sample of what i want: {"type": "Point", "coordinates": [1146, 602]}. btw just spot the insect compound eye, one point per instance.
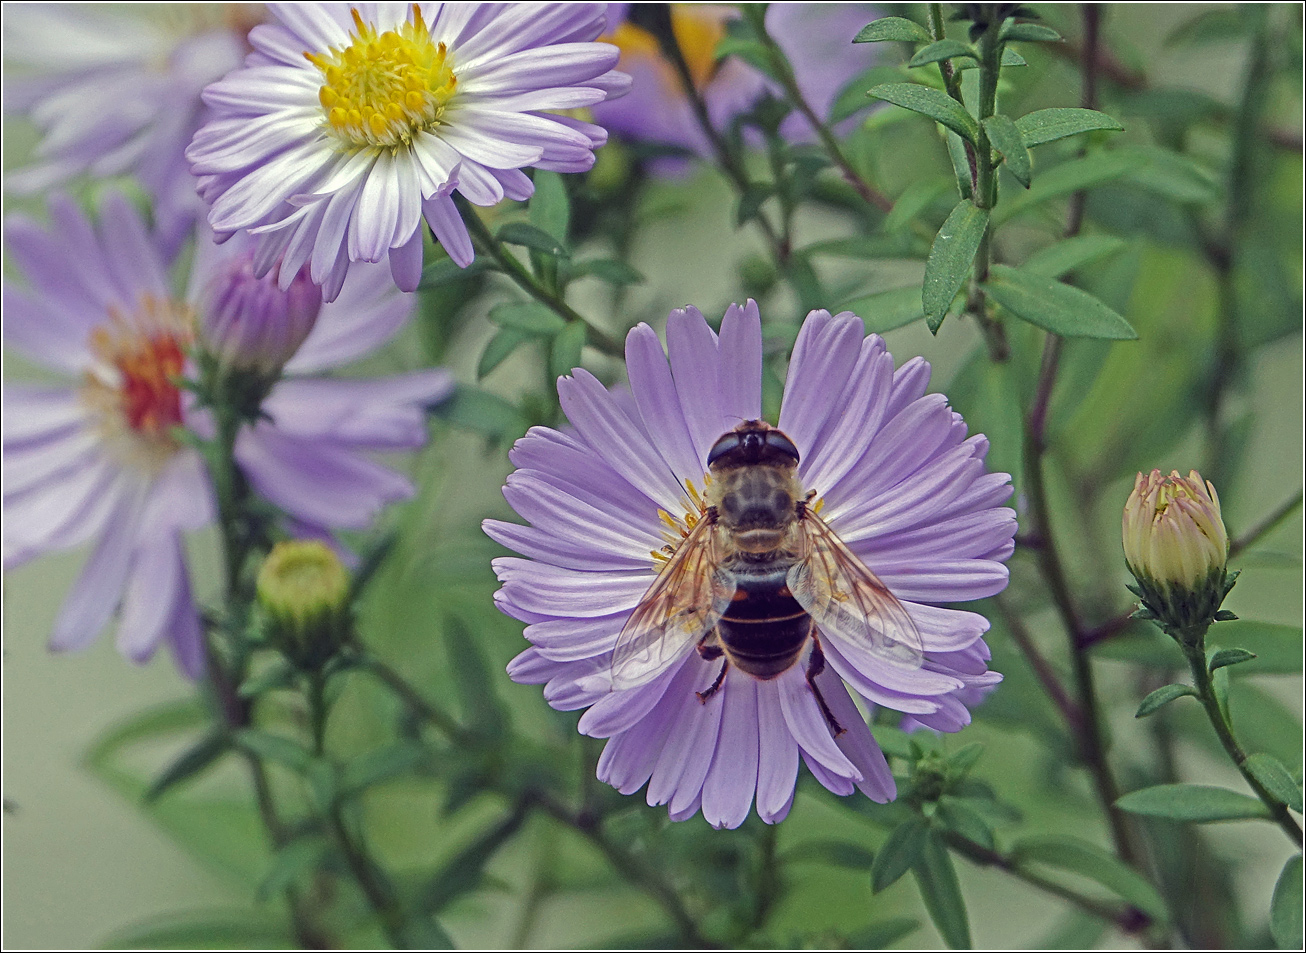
{"type": "Point", "coordinates": [778, 441]}
{"type": "Point", "coordinates": [723, 446]}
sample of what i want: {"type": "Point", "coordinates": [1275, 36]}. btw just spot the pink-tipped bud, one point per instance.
{"type": "Point", "coordinates": [249, 324]}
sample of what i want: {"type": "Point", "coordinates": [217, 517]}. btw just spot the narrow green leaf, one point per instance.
{"type": "Point", "coordinates": [900, 853]}
{"type": "Point", "coordinates": [934, 103]}
{"type": "Point", "coordinates": [482, 412]}
{"type": "Point", "coordinates": [965, 758]}
{"type": "Point", "coordinates": [275, 748]}
{"type": "Point", "coordinates": [914, 199]}
{"type": "Point", "coordinates": [1069, 254]}
{"type": "Point", "coordinates": [960, 817]}
{"type": "Point", "coordinates": [1196, 803]}
{"type": "Point", "coordinates": [887, 310]}
{"type": "Point", "coordinates": [960, 163]}
{"type": "Point", "coordinates": [950, 259]}
{"type": "Point", "coordinates": [892, 28]}
{"type": "Point", "coordinates": [941, 891]}
{"type": "Point", "coordinates": [1230, 657]}
{"type": "Point", "coordinates": [1275, 778]}
{"type": "Point", "coordinates": [1212, 26]}
{"type": "Point", "coordinates": [446, 270]}
{"type": "Point", "coordinates": [1009, 58]}
{"type": "Point", "coordinates": [165, 719]}
{"type": "Point", "coordinates": [234, 929]}
{"type": "Point", "coordinates": [424, 933]}
{"type": "Point", "coordinates": [564, 353]}
{"type": "Point", "coordinates": [500, 348]}
{"type": "Point", "coordinates": [1089, 860]}
{"type": "Point", "coordinates": [1028, 33]}
{"type": "Point", "coordinates": [1007, 140]}
{"type": "Point", "coordinates": [1056, 307]}
{"type": "Point", "coordinates": [831, 852]}
{"type": "Point", "coordinates": [1088, 172]}
{"type": "Point", "coordinates": [550, 208]}
{"type": "Point", "coordinates": [611, 270]}
{"type": "Point", "coordinates": [750, 202]}
{"type": "Point", "coordinates": [190, 763]}
{"type": "Point", "coordinates": [1077, 930]}
{"type": "Point", "coordinates": [279, 674]}
{"type": "Point", "coordinates": [478, 696]}
{"type": "Point", "coordinates": [380, 765]}
{"type": "Point", "coordinates": [1162, 696]}
{"type": "Point", "coordinates": [291, 863]}
{"type": "Point", "coordinates": [529, 236]}
{"type": "Point", "coordinates": [941, 50]}
{"type": "Point", "coordinates": [528, 316]}
{"type": "Point", "coordinates": [1286, 906]}
{"type": "Point", "coordinates": [1049, 125]}
{"type": "Point", "coordinates": [879, 935]}
{"type": "Point", "coordinates": [1173, 175]}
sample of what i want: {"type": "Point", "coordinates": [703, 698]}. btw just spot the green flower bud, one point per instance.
{"type": "Point", "coordinates": [303, 591]}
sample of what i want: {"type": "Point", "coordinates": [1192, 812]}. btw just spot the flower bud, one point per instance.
{"type": "Point", "coordinates": [1177, 547]}
{"type": "Point", "coordinates": [303, 591]}
{"type": "Point", "coordinates": [250, 324]}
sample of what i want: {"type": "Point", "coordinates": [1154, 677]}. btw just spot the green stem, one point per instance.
{"type": "Point", "coordinates": [1255, 534]}
{"type": "Point", "coordinates": [414, 699]}
{"type": "Point", "coordinates": [1193, 644]}
{"type": "Point", "coordinates": [523, 278]}
{"type": "Point", "coordinates": [986, 190]}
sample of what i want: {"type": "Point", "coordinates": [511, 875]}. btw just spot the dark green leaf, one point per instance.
{"type": "Point", "coordinates": [235, 929]}
{"type": "Point", "coordinates": [852, 97]}
{"type": "Point", "coordinates": [190, 763]}
{"type": "Point", "coordinates": [1089, 860]}
{"type": "Point", "coordinates": [950, 259]}
{"type": "Point", "coordinates": [960, 164]}
{"type": "Point", "coordinates": [1056, 307]}
{"type": "Point", "coordinates": [940, 890]}
{"type": "Point", "coordinates": [892, 28]}
{"type": "Point", "coordinates": [482, 412]}
{"type": "Point", "coordinates": [279, 674]}
{"type": "Point", "coordinates": [1028, 33]}
{"type": "Point", "coordinates": [1092, 170]}
{"type": "Point", "coordinates": [1173, 175]}
{"type": "Point", "coordinates": [465, 870]}
{"type": "Point", "coordinates": [941, 50]}
{"type": "Point", "coordinates": [958, 816]}
{"type": "Point", "coordinates": [1211, 26]}
{"type": "Point", "coordinates": [1275, 778]}
{"type": "Point", "coordinates": [1162, 696]}
{"type": "Point", "coordinates": [1077, 931]}
{"type": "Point", "coordinates": [1007, 140]}
{"type": "Point", "coordinates": [275, 748]}
{"type": "Point", "coordinates": [1069, 254]}
{"type": "Point", "coordinates": [831, 852]}
{"type": "Point", "coordinates": [550, 209]}
{"type": "Point", "coordinates": [938, 105]}
{"type": "Point", "coordinates": [380, 765]}
{"type": "Point", "coordinates": [291, 863]}
{"type": "Point", "coordinates": [564, 353]}
{"type": "Point", "coordinates": [915, 199]}
{"type": "Point", "coordinates": [1277, 647]}
{"type": "Point", "coordinates": [521, 233]}
{"type": "Point", "coordinates": [1230, 657]}
{"type": "Point", "coordinates": [965, 758]}
{"type": "Point", "coordinates": [611, 270]}
{"type": "Point", "coordinates": [1286, 907]}
{"type": "Point", "coordinates": [879, 935]}
{"type": "Point", "coordinates": [750, 202]}
{"type": "Point", "coordinates": [479, 699]}
{"type": "Point", "coordinates": [424, 933]}
{"type": "Point", "coordinates": [1049, 125]}
{"type": "Point", "coordinates": [528, 316]}
{"type": "Point", "coordinates": [887, 310]}
{"type": "Point", "coordinates": [1009, 58]}
{"type": "Point", "coordinates": [1197, 803]}
{"type": "Point", "coordinates": [500, 347]}
{"type": "Point", "coordinates": [900, 852]}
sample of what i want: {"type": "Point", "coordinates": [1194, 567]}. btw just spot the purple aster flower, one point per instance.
{"type": "Point", "coordinates": [889, 469]}
{"type": "Point", "coordinates": [816, 37]}
{"type": "Point", "coordinates": [349, 124]}
{"type": "Point", "coordinates": [100, 458]}
{"type": "Point", "coordinates": [117, 92]}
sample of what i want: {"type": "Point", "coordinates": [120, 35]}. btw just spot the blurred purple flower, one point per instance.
{"type": "Point", "coordinates": [816, 37]}
{"type": "Point", "coordinates": [117, 92]}
{"type": "Point", "coordinates": [349, 124]}
{"type": "Point", "coordinates": [900, 483]}
{"type": "Point", "coordinates": [101, 458]}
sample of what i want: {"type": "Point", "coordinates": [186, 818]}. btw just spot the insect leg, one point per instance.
{"type": "Point", "coordinates": [815, 666]}
{"type": "Point", "coordinates": [709, 647]}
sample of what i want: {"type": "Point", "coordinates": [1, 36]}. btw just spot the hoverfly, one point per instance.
{"type": "Point", "coordinates": [758, 578]}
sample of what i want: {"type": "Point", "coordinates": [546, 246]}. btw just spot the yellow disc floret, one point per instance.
{"type": "Point", "coordinates": [383, 89]}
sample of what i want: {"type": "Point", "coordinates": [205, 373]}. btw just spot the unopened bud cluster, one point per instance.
{"type": "Point", "coordinates": [1176, 546]}
{"type": "Point", "coordinates": [303, 591]}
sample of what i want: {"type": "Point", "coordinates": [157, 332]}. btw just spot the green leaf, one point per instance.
{"type": "Point", "coordinates": [528, 316]}
{"type": "Point", "coordinates": [960, 163]}
{"type": "Point", "coordinates": [915, 199]}
{"type": "Point", "coordinates": [1162, 696]}
{"type": "Point", "coordinates": [1089, 860]}
{"type": "Point", "coordinates": [892, 28]}
{"type": "Point", "coordinates": [941, 891]}
{"type": "Point", "coordinates": [275, 748]}
{"type": "Point", "coordinates": [232, 929]}
{"type": "Point", "coordinates": [1049, 125]}
{"type": "Point", "coordinates": [1056, 307]}
{"type": "Point", "coordinates": [950, 259]}
{"type": "Point", "coordinates": [611, 270]}
{"type": "Point", "coordinates": [479, 699]}
{"type": "Point", "coordinates": [879, 935]}
{"type": "Point", "coordinates": [965, 758]}
{"type": "Point", "coordinates": [1172, 175]}
{"type": "Point", "coordinates": [165, 719]}
{"type": "Point", "coordinates": [1196, 803]}
{"type": "Point", "coordinates": [291, 863]}
{"type": "Point", "coordinates": [500, 348]}
{"type": "Point", "coordinates": [1092, 170]}
{"type": "Point", "coordinates": [1286, 906]}
{"type": "Point", "coordinates": [831, 852]}
{"type": "Point", "coordinates": [1077, 930]}
{"type": "Point", "coordinates": [446, 270]}
{"type": "Point", "coordinates": [190, 763]}
{"type": "Point", "coordinates": [750, 202]}
{"type": "Point", "coordinates": [1007, 140]}
{"type": "Point", "coordinates": [564, 354]}
{"type": "Point", "coordinates": [957, 815]}
{"type": "Point", "coordinates": [887, 310]}
{"type": "Point", "coordinates": [1275, 778]}
{"type": "Point", "coordinates": [1028, 33]}
{"type": "Point", "coordinates": [279, 674]}
{"type": "Point", "coordinates": [1230, 657]}
{"type": "Point", "coordinates": [550, 208]}
{"type": "Point", "coordinates": [380, 765]}
{"type": "Point", "coordinates": [482, 412]}
{"type": "Point", "coordinates": [522, 233]}
{"type": "Point", "coordinates": [1009, 58]}
{"type": "Point", "coordinates": [1069, 254]}
{"type": "Point", "coordinates": [938, 105]}
{"type": "Point", "coordinates": [900, 852]}
{"type": "Point", "coordinates": [1212, 26]}
{"type": "Point", "coordinates": [941, 50]}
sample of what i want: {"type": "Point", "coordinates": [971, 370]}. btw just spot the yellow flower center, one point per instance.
{"type": "Point", "coordinates": [383, 89]}
{"type": "Point", "coordinates": [133, 384]}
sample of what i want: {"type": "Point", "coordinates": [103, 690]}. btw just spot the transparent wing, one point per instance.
{"type": "Point", "coordinates": [848, 601]}
{"type": "Point", "coordinates": [686, 599]}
